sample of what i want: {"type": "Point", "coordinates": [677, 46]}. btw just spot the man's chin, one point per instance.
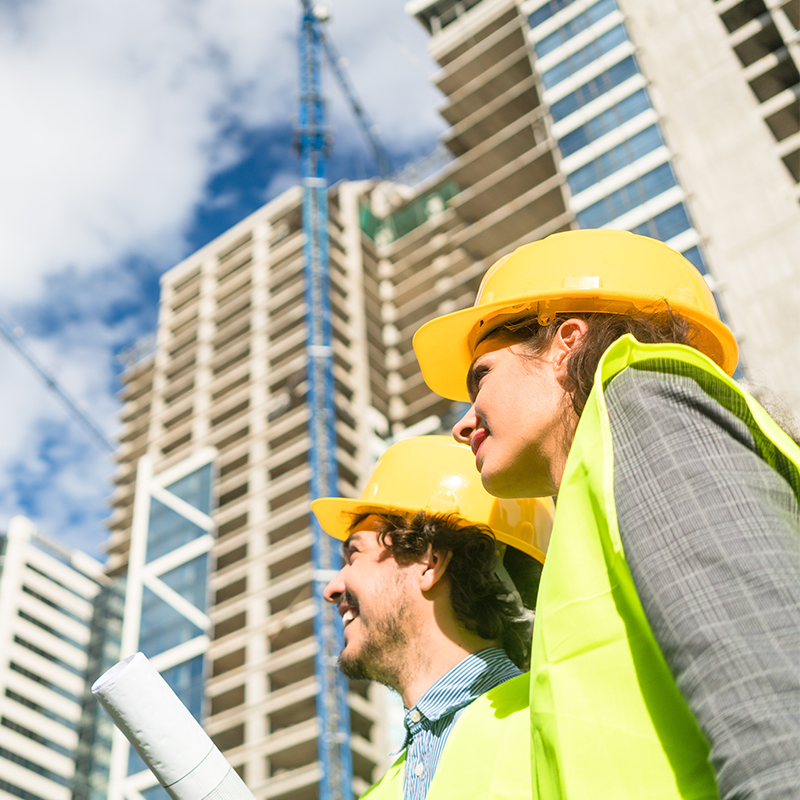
{"type": "Point", "coordinates": [353, 666]}
{"type": "Point", "coordinates": [366, 665]}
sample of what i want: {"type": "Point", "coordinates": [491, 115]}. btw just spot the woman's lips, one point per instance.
{"type": "Point", "coordinates": [478, 438]}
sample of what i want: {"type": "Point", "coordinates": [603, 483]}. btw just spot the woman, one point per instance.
{"type": "Point", "coordinates": [666, 652]}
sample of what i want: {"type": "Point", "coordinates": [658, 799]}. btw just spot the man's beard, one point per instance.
{"type": "Point", "coordinates": [381, 654]}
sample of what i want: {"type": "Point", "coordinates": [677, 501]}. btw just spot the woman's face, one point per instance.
{"type": "Point", "coordinates": [520, 422]}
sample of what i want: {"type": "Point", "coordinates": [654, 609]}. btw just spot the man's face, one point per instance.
{"type": "Point", "coordinates": [371, 592]}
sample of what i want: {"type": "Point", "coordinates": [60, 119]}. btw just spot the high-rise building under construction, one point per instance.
{"type": "Point", "coordinates": [677, 119]}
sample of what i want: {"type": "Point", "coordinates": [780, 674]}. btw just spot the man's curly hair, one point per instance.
{"type": "Point", "coordinates": [480, 600]}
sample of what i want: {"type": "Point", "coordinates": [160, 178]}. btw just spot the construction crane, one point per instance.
{"type": "Point", "coordinates": [332, 707]}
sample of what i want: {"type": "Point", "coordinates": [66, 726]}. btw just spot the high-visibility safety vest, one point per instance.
{"type": "Point", "coordinates": [608, 720]}
{"type": "Point", "coordinates": [486, 756]}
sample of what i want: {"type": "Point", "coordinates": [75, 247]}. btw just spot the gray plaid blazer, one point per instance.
{"type": "Point", "coordinates": [710, 522]}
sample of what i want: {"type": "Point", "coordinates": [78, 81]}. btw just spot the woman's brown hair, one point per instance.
{"type": "Point", "coordinates": [602, 331]}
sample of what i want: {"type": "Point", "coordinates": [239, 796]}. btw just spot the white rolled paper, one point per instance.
{"type": "Point", "coordinates": [163, 732]}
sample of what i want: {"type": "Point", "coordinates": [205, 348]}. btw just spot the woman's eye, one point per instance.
{"type": "Point", "coordinates": [476, 374]}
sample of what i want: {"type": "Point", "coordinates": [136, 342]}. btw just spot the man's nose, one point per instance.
{"type": "Point", "coordinates": [335, 589]}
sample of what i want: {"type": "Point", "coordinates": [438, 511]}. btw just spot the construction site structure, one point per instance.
{"type": "Point", "coordinates": [562, 114]}
{"type": "Point", "coordinates": [228, 385]}
{"type": "Point", "coordinates": [678, 119]}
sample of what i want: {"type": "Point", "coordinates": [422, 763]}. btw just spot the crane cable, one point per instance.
{"type": "Point", "coordinates": [336, 63]}
{"type": "Point", "coordinates": [88, 425]}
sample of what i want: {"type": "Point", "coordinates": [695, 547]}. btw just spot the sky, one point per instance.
{"type": "Point", "coordinates": [133, 133]}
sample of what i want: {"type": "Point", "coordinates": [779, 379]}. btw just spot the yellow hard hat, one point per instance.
{"type": "Point", "coordinates": [437, 474]}
{"type": "Point", "coordinates": [608, 271]}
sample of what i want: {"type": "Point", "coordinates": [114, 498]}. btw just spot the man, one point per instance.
{"type": "Point", "coordinates": [432, 612]}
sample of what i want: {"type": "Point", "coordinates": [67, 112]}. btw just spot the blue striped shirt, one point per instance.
{"type": "Point", "coordinates": [431, 720]}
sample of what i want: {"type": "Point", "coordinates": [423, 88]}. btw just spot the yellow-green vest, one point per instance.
{"type": "Point", "coordinates": [487, 755]}
{"type": "Point", "coordinates": [607, 718]}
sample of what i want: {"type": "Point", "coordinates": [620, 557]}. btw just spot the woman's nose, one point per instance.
{"type": "Point", "coordinates": [464, 428]}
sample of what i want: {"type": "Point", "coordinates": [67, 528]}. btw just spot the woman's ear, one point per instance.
{"type": "Point", "coordinates": [434, 565]}
{"type": "Point", "coordinates": [567, 340]}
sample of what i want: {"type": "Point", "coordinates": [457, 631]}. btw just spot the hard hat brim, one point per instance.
{"type": "Point", "coordinates": [334, 515]}
{"type": "Point", "coordinates": [444, 346]}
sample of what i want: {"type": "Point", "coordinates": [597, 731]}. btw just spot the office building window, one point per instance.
{"type": "Point", "coordinates": [49, 628]}
{"type": "Point", "coordinates": [694, 255]}
{"type": "Point", "coordinates": [169, 529]}
{"type": "Point", "coordinates": [57, 606]}
{"type": "Point", "coordinates": [575, 26]}
{"type": "Point", "coordinates": [32, 766]}
{"type": "Point", "coordinates": [667, 224]}
{"type": "Point", "coordinates": [636, 193]}
{"type": "Point", "coordinates": [51, 685]}
{"type": "Point", "coordinates": [543, 13]}
{"type": "Point", "coordinates": [155, 793]}
{"type": "Point", "coordinates": [606, 121]}
{"type": "Point", "coordinates": [603, 44]}
{"type": "Point", "coordinates": [620, 156]}
{"type": "Point", "coordinates": [36, 737]}
{"type": "Point", "coordinates": [163, 626]}
{"type": "Point", "coordinates": [12, 789]}
{"type": "Point", "coordinates": [594, 88]}
{"type": "Point", "coordinates": [174, 592]}
{"type": "Point", "coordinates": [46, 712]}
{"type": "Point", "coordinates": [195, 489]}
{"type": "Point", "coordinates": [51, 579]}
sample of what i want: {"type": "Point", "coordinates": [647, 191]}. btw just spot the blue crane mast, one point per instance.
{"type": "Point", "coordinates": [332, 707]}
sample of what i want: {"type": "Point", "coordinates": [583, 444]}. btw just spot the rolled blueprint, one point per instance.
{"type": "Point", "coordinates": [163, 732]}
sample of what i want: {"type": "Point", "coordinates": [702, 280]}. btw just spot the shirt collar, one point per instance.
{"type": "Point", "coordinates": [467, 680]}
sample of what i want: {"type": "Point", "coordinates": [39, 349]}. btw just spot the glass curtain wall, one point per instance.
{"type": "Point", "coordinates": [166, 598]}
{"type": "Point", "coordinates": [613, 152]}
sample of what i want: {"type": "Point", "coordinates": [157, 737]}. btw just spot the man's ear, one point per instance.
{"type": "Point", "coordinates": [434, 565]}
{"type": "Point", "coordinates": [566, 341]}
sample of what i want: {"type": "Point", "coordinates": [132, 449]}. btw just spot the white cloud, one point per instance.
{"type": "Point", "coordinates": [115, 116]}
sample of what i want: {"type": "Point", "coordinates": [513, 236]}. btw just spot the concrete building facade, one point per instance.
{"type": "Point", "coordinates": [57, 635]}
{"type": "Point", "coordinates": [678, 119]}
{"type": "Point", "coordinates": [658, 117]}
